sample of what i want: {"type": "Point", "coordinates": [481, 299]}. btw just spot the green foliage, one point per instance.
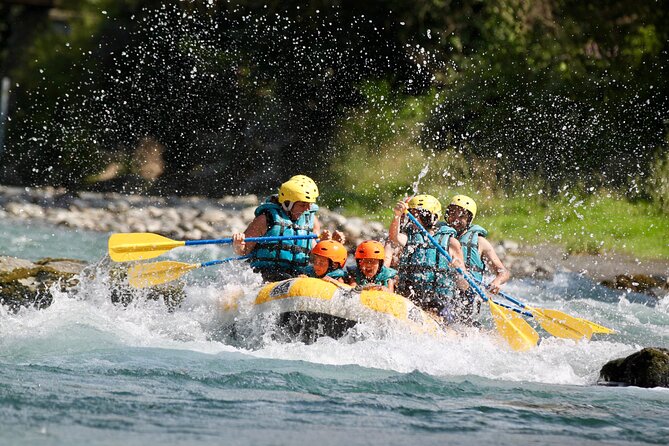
{"type": "Point", "coordinates": [657, 186]}
{"type": "Point", "coordinates": [500, 98]}
{"type": "Point", "coordinates": [595, 223]}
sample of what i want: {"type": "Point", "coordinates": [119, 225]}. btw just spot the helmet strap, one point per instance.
{"type": "Point", "coordinates": [435, 219]}
{"type": "Point", "coordinates": [288, 205]}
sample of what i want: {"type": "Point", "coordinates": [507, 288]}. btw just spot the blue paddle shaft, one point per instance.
{"type": "Point", "coordinates": [448, 257]}
{"type": "Point", "coordinates": [218, 262]}
{"type": "Point", "coordinates": [228, 240]}
{"type": "Point", "coordinates": [466, 276]}
{"type": "Point", "coordinates": [509, 298]}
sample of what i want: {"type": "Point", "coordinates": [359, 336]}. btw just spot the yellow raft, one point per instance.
{"type": "Point", "coordinates": [309, 308]}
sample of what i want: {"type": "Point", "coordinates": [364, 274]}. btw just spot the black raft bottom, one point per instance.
{"type": "Point", "coordinates": [306, 326]}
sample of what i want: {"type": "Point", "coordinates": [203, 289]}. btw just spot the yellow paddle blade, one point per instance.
{"type": "Point", "coordinates": [517, 332]}
{"type": "Point", "coordinates": [560, 324]}
{"type": "Point", "coordinates": [596, 328]}
{"type": "Point", "coordinates": [139, 246]}
{"type": "Point", "coordinates": [151, 274]}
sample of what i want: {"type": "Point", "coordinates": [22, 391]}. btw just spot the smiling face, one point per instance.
{"type": "Point", "coordinates": [426, 218]}
{"type": "Point", "coordinates": [369, 267]}
{"type": "Point", "coordinates": [458, 218]}
{"type": "Point", "coordinates": [321, 265]}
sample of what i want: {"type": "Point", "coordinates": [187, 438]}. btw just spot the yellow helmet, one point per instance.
{"type": "Point", "coordinates": [298, 188]}
{"type": "Point", "coordinates": [303, 178]}
{"type": "Point", "coordinates": [465, 203]}
{"type": "Point", "coordinates": [427, 202]}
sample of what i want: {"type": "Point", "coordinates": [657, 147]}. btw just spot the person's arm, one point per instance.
{"type": "Point", "coordinates": [394, 235]}
{"type": "Point", "coordinates": [495, 265]}
{"type": "Point", "coordinates": [457, 261]}
{"type": "Point", "coordinates": [257, 228]}
{"type": "Point", "coordinates": [391, 285]}
{"type": "Point", "coordinates": [389, 261]}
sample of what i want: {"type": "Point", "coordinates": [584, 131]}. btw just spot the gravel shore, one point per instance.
{"type": "Point", "coordinates": [202, 218]}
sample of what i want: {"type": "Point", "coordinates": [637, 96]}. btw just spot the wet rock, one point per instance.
{"type": "Point", "coordinates": [213, 216]}
{"type": "Point", "coordinates": [27, 284]}
{"type": "Point", "coordinates": [528, 267]}
{"type": "Point", "coordinates": [646, 368]}
{"type": "Point", "coordinates": [510, 245]}
{"type": "Point", "coordinates": [172, 294]}
{"type": "Point", "coordinates": [639, 283]}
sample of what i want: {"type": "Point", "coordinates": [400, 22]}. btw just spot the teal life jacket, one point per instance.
{"type": "Point", "coordinates": [424, 274]}
{"type": "Point", "coordinates": [382, 276]}
{"type": "Point", "coordinates": [339, 273]}
{"type": "Point", "coordinates": [286, 255]}
{"type": "Point", "coordinates": [470, 250]}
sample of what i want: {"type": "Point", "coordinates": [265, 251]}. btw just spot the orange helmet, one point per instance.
{"type": "Point", "coordinates": [332, 250]}
{"type": "Point", "coordinates": [370, 249]}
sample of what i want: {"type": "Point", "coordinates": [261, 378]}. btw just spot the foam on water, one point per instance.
{"type": "Point", "coordinates": [90, 321]}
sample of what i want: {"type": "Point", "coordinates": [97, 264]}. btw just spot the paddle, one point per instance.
{"type": "Point", "coordinates": [561, 324]}
{"type": "Point", "coordinates": [514, 329]}
{"type": "Point", "coordinates": [157, 273]}
{"type": "Point", "coordinates": [596, 328]}
{"type": "Point", "coordinates": [145, 245]}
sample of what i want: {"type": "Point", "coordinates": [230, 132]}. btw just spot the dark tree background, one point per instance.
{"type": "Point", "coordinates": [242, 94]}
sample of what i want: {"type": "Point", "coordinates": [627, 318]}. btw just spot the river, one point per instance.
{"type": "Point", "coordinates": [85, 371]}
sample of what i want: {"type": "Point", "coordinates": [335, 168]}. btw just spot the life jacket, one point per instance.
{"type": "Point", "coordinates": [382, 276]}
{"type": "Point", "coordinates": [286, 255]}
{"type": "Point", "coordinates": [470, 250]}
{"type": "Point", "coordinates": [424, 274]}
{"type": "Point", "coordinates": [339, 273]}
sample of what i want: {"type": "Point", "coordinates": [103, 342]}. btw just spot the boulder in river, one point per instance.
{"type": "Point", "coordinates": [646, 368]}
{"type": "Point", "coordinates": [28, 284]}
{"type": "Point", "coordinates": [654, 285]}
{"type": "Point", "coordinates": [24, 283]}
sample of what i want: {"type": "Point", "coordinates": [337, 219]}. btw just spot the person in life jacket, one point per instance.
{"type": "Point", "coordinates": [370, 271]}
{"type": "Point", "coordinates": [479, 254]}
{"type": "Point", "coordinates": [328, 258]}
{"type": "Point", "coordinates": [291, 212]}
{"type": "Point", "coordinates": [424, 274]}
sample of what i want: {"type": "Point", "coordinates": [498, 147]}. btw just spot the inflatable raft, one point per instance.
{"type": "Point", "coordinates": [307, 308]}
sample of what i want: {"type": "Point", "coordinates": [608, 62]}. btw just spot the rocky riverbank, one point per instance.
{"type": "Point", "coordinates": [200, 217]}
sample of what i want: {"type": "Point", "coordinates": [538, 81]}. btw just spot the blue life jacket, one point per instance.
{"type": "Point", "coordinates": [382, 276]}
{"type": "Point", "coordinates": [287, 255]}
{"type": "Point", "coordinates": [339, 273]}
{"type": "Point", "coordinates": [470, 250]}
{"type": "Point", "coordinates": [424, 274]}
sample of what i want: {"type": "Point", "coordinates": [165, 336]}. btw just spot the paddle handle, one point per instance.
{"type": "Point", "coordinates": [218, 262]}
{"type": "Point", "coordinates": [443, 252]}
{"type": "Point", "coordinates": [228, 240]}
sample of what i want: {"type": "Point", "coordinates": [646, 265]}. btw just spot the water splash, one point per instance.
{"type": "Point", "coordinates": [203, 324]}
{"type": "Point", "coordinates": [423, 172]}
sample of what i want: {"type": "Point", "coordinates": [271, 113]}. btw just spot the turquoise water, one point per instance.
{"type": "Point", "coordinates": [85, 371]}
